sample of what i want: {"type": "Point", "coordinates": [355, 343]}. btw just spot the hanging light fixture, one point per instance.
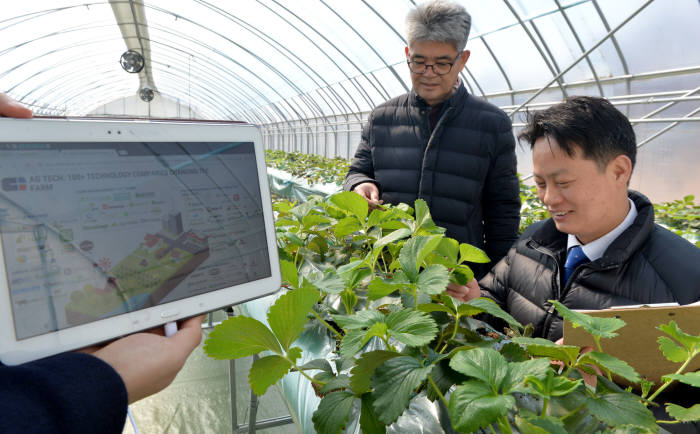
{"type": "Point", "coordinates": [132, 61]}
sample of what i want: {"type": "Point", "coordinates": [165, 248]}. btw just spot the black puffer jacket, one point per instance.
{"type": "Point", "coordinates": [645, 264]}
{"type": "Point", "coordinates": [465, 169]}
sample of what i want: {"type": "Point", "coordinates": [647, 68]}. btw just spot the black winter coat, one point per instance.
{"type": "Point", "coordinates": [465, 169]}
{"type": "Point", "coordinates": [645, 264]}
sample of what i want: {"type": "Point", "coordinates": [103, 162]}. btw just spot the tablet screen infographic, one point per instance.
{"type": "Point", "coordinates": [90, 231]}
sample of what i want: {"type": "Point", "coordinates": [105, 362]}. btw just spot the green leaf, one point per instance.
{"type": "Point", "coordinates": [671, 350]}
{"type": "Point", "coordinates": [545, 348]}
{"type": "Point", "coordinates": [691, 414]}
{"type": "Point", "coordinates": [468, 310]}
{"type": "Point", "coordinates": [391, 238]}
{"type": "Point", "coordinates": [692, 378]}
{"type": "Point", "coordinates": [266, 371]}
{"type": "Point", "coordinates": [342, 381]}
{"type": "Point", "coordinates": [378, 330]}
{"type": "Point", "coordinates": [519, 370]}
{"type": "Point", "coordinates": [290, 274]}
{"type": "Point", "coordinates": [354, 277]}
{"type": "Point", "coordinates": [352, 342]}
{"type": "Point", "coordinates": [240, 336]}
{"type": "Point", "coordinates": [414, 252]}
{"type": "Point", "coordinates": [321, 364]}
{"type": "Point", "coordinates": [611, 364]}
{"type": "Point", "coordinates": [469, 253]}
{"type": "Point", "coordinates": [330, 283]}
{"type": "Point", "coordinates": [449, 248]}
{"type": "Point", "coordinates": [288, 315]}
{"type": "Point", "coordinates": [486, 364]}
{"type": "Point", "coordinates": [301, 210]}
{"type": "Point", "coordinates": [311, 220]}
{"type": "Point", "coordinates": [603, 327]}
{"type": "Point", "coordinates": [473, 405]}
{"type": "Point", "coordinates": [423, 218]}
{"type": "Point", "coordinates": [363, 318]}
{"type": "Point", "coordinates": [369, 422]}
{"type": "Point", "coordinates": [690, 342]}
{"type": "Point", "coordinates": [394, 382]}
{"type": "Point", "coordinates": [411, 327]}
{"type": "Point", "coordinates": [352, 203]}
{"type": "Point", "coordinates": [434, 307]}
{"type": "Point", "coordinates": [540, 425]}
{"type": "Point", "coordinates": [333, 411]}
{"type": "Point", "coordinates": [489, 306]}
{"type": "Point", "coordinates": [620, 409]}
{"type": "Point", "coordinates": [433, 279]}
{"type": "Point", "coordinates": [364, 369]}
{"type": "Point", "coordinates": [379, 288]}
{"type": "Point", "coordinates": [376, 217]}
{"type": "Point", "coordinates": [280, 223]}
{"type": "Point", "coordinates": [346, 226]}
{"type": "Point", "coordinates": [349, 299]}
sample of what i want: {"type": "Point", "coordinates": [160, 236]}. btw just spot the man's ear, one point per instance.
{"type": "Point", "coordinates": [464, 57]}
{"type": "Point", "coordinates": [620, 168]}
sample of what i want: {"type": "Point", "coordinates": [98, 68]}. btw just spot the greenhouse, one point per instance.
{"type": "Point", "coordinates": [424, 244]}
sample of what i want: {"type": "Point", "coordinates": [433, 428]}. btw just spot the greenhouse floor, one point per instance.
{"type": "Point", "coordinates": [199, 400]}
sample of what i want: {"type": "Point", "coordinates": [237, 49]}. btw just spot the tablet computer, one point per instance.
{"type": "Point", "coordinates": [113, 227]}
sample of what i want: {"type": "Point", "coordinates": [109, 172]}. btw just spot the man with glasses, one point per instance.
{"type": "Point", "coordinates": [440, 143]}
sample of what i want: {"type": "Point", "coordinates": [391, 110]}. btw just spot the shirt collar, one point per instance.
{"type": "Point", "coordinates": [595, 249]}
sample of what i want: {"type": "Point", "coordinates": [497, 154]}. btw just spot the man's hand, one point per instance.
{"type": "Point", "coordinates": [370, 192]}
{"type": "Point", "coordinates": [464, 293]}
{"type": "Point", "coordinates": [148, 362]}
{"type": "Point", "coordinates": [13, 109]}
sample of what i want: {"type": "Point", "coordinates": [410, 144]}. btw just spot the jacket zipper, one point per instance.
{"type": "Point", "coordinates": [555, 284]}
{"type": "Point", "coordinates": [433, 134]}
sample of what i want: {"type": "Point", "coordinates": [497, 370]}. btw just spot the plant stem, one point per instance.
{"type": "Point", "coordinates": [301, 371]}
{"type": "Point", "coordinates": [442, 397]}
{"type": "Point", "coordinates": [666, 384]}
{"type": "Point", "coordinates": [545, 403]}
{"type": "Point", "coordinates": [328, 326]}
{"type": "Point", "coordinates": [505, 425]}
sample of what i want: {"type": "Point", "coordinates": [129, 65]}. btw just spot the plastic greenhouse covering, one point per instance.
{"type": "Point", "coordinates": [308, 72]}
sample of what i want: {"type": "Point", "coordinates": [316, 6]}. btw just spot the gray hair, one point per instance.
{"type": "Point", "coordinates": [439, 21]}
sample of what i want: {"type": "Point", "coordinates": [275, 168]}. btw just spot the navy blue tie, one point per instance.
{"type": "Point", "coordinates": [574, 258]}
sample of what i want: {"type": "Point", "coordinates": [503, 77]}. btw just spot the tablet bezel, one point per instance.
{"type": "Point", "coordinates": [56, 130]}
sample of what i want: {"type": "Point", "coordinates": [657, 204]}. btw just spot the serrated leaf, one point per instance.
{"type": "Point", "coordinates": [311, 220]}
{"type": "Point", "coordinates": [411, 327]}
{"type": "Point", "coordinates": [350, 266]}
{"type": "Point", "coordinates": [611, 364]}
{"type": "Point", "coordinates": [352, 342]}
{"type": "Point", "coordinates": [379, 288]}
{"type": "Point", "coordinates": [690, 342]}
{"type": "Point", "coordinates": [238, 337]}
{"type": "Point", "coordinates": [349, 299]}
{"type": "Point", "coordinates": [423, 218]}
{"type": "Point", "coordinates": [376, 217]}
{"type": "Point", "coordinates": [361, 319]}
{"type": "Point", "coordinates": [449, 248]}
{"type": "Point", "coordinates": [620, 409]}
{"type": "Point", "coordinates": [545, 348]}
{"type": "Point", "coordinates": [434, 307]}
{"type": "Point", "coordinates": [369, 422]}
{"type": "Point", "coordinates": [346, 226]}
{"type": "Point", "coordinates": [603, 327]}
{"type": "Point", "coordinates": [414, 252]}
{"type": "Point", "coordinates": [489, 306]}
{"type": "Point", "coordinates": [468, 310]}
{"type": "Point", "coordinates": [266, 371]}
{"type": "Point", "coordinates": [330, 282]}
{"type": "Point", "coordinates": [691, 414]}
{"type": "Point", "coordinates": [378, 329]}
{"type": "Point", "coordinates": [692, 378]}
{"type": "Point", "coordinates": [333, 411]}
{"type": "Point", "coordinates": [280, 223]}
{"type": "Point", "coordinates": [473, 405]}
{"type": "Point", "coordinates": [394, 236]}
{"type": "Point", "coordinates": [352, 203]}
{"type": "Point", "coordinates": [540, 425]}
{"type": "Point", "coordinates": [290, 274]}
{"type": "Point", "coordinates": [519, 370]}
{"type": "Point", "coordinates": [433, 279]}
{"type": "Point", "coordinates": [469, 253]}
{"type": "Point", "coordinates": [671, 350]}
{"type": "Point", "coordinates": [486, 364]}
{"type": "Point", "coordinates": [302, 209]}
{"type": "Point", "coordinates": [354, 277]}
{"type": "Point", "coordinates": [342, 381]}
{"type": "Point", "coordinates": [321, 364]}
{"type": "Point", "coordinates": [394, 382]}
{"type": "Point", "coordinates": [288, 316]}
{"type": "Point", "coordinates": [364, 369]}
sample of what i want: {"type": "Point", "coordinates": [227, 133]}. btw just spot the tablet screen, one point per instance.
{"type": "Point", "coordinates": [91, 231]}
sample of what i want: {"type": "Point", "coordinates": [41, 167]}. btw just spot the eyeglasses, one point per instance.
{"type": "Point", "coordinates": [439, 68]}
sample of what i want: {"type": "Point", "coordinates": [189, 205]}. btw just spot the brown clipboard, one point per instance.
{"type": "Point", "coordinates": [637, 343]}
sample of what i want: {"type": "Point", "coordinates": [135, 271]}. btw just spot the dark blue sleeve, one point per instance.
{"type": "Point", "coordinates": [67, 393]}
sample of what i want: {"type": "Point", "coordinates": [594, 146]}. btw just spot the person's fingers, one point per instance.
{"type": "Point", "coordinates": [13, 109]}
{"type": "Point", "coordinates": [189, 335]}
{"type": "Point", "coordinates": [374, 195]}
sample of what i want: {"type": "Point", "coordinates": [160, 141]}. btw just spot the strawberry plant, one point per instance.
{"type": "Point", "coordinates": [376, 282]}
